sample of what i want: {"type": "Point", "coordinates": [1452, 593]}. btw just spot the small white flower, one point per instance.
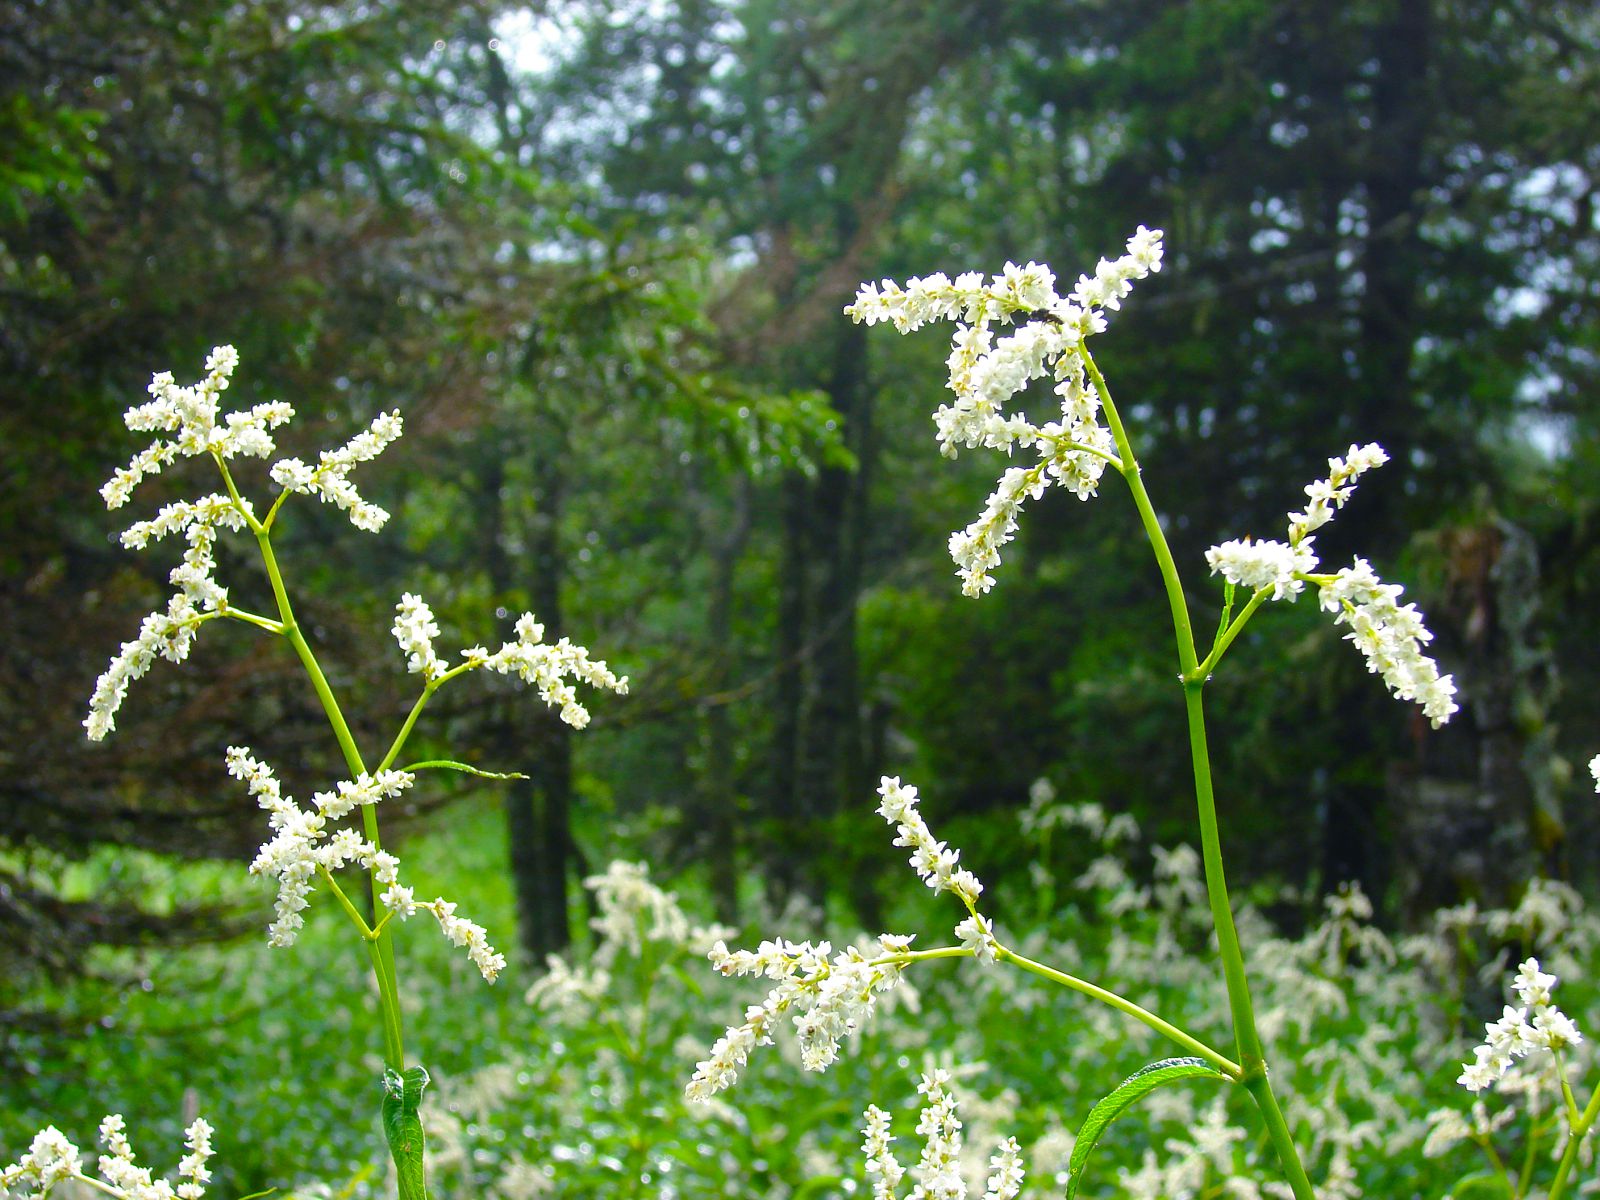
{"type": "Point", "coordinates": [302, 845]}
{"type": "Point", "coordinates": [881, 1162]}
{"type": "Point", "coordinates": [191, 414]}
{"type": "Point", "coordinates": [470, 934]}
{"type": "Point", "coordinates": [548, 667]}
{"type": "Point", "coordinates": [1328, 495]}
{"type": "Point", "coordinates": [414, 629]}
{"type": "Point", "coordinates": [168, 635]}
{"type": "Point", "coordinates": [977, 935]}
{"type": "Point", "coordinates": [52, 1159]}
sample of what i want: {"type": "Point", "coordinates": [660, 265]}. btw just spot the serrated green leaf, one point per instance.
{"type": "Point", "coordinates": [402, 1125]}
{"type": "Point", "coordinates": [1129, 1092]}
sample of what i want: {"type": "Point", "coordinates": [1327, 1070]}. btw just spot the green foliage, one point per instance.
{"type": "Point", "coordinates": [49, 151]}
{"type": "Point", "coordinates": [402, 1129]}
{"type": "Point", "coordinates": [1126, 1094]}
{"type": "Point", "coordinates": [262, 1039]}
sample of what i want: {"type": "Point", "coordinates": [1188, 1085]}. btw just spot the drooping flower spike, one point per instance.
{"type": "Point", "coordinates": [1390, 635]}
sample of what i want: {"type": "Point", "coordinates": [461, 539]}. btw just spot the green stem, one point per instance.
{"type": "Point", "coordinates": [381, 948]}
{"type": "Point", "coordinates": [344, 902]}
{"type": "Point", "coordinates": [405, 730]}
{"type": "Point", "coordinates": [428, 689]}
{"type": "Point", "coordinates": [915, 956]}
{"type": "Point", "coordinates": [1226, 636]}
{"type": "Point", "coordinates": [1525, 1176]}
{"type": "Point", "coordinates": [1223, 1063]}
{"type": "Point", "coordinates": [1573, 1116]}
{"type": "Point", "coordinates": [1233, 972]}
{"type": "Point", "coordinates": [80, 1177]}
{"type": "Point", "coordinates": [1085, 449]}
{"type": "Point", "coordinates": [239, 501]}
{"type": "Point", "coordinates": [250, 618]}
{"type": "Point", "coordinates": [272, 513]}
{"type": "Point", "coordinates": [1244, 1025]}
{"type": "Point", "coordinates": [1192, 1044]}
{"type": "Point", "coordinates": [1498, 1165]}
{"type": "Point", "coordinates": [1576, 1133]}
{"type": "Point", "coordinates": [1131, 472]}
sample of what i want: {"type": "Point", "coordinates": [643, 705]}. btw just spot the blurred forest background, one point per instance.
{"type": "Point", "coordinates": [596, 252]}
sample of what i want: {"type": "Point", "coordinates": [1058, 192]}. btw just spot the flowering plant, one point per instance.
{"type": "Point", "coordinates": [1012, 329]}
{"type": "Point", "coordinates": [307, 846]}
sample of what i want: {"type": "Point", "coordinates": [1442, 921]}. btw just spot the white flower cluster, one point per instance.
{"type": "Point", "coordinates": [569, 992]}
{"type": "Point", "coordinates": [938, 1172]}
{"type": "Point", "coordinates": [302, 844]}
{"type": "Point", "coordinates": [827, 1001]}
{"type": "Point", "coordinates": [938, 865]}
{"type": "Point", "coordinates": [52, 1159]}
{"type": "Point", "coordinates": [1448, 1128]}
{"type": "Point", "coordinates": [168, 634]}
{"type": "Point", "coordinates": [1537, 1025]}
{"type": "Point", "coordinates": [1252, 564]}
{"type": "Point", "coordinates": [329, 480]}
{"type": "Point", "coordinates": [986, 373]}
{"type": "Point", "coordinates": [414, 628]}
{"type": "Point", "coordinates": [633, 910]}
{"type": "Point", "coordinates": [545, 665]}
{"type": "Point", "coordinates": [1346, 933]}
{"type": "Point", "coordinates": [1389, 634]}
{"type": "Point", "coordinates": [548, 666]}
{"type": "Point", "coordinates": [191, 415]}
{"type": "Point", "coordinates": [195, 425]}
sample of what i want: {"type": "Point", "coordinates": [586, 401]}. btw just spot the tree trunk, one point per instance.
{"type": "Point", "coordinates": [720, 788]}
{"type": "Point", "coordinates": [537, 811]}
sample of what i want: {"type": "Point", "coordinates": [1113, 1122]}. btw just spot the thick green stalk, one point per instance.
{"type": "Point", "coordinates": [1233, 970]}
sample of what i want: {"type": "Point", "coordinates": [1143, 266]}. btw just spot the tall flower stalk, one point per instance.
{"type": "Point", "coordinates": [1012, 329]}
{"type": "Point", "coordinates": [307, 847]}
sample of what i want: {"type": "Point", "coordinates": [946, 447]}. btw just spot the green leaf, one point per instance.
{"type": "Point", "coordinates": [1129, 1092]}
{"type": "Point", "coordinates": [446, 764]}
{"type": "Point", "coordinates": [402, 1125]}
{"type": "Point", "coordinates": [1484, 1182]}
